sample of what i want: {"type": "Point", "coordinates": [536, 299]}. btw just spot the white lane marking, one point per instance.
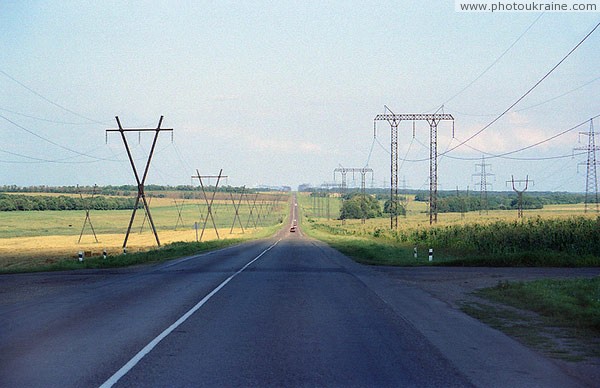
{"type": "Point", "coordinates": [148, 348]}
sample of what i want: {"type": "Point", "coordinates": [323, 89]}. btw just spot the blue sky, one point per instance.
{"type": "Point", "coordinates": [281, 92]}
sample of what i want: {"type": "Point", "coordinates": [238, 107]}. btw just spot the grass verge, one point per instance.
{"type": "Point", "coordinates": [166, 252]}
{"type": "Point", "coordinates": [373, 250]}
{"type": "Point", "coordinates": [559, 317]}
{"type": "Point", "coordinates": [57, 259]}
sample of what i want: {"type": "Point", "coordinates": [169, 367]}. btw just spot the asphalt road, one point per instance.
{"type": "Point", "coordinates": [287, 311]}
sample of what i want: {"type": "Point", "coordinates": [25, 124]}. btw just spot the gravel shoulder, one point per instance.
{"type": "Point", "coordinates": [455, 286]}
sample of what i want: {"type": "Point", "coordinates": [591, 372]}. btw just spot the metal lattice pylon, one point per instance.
{"type": "Point", "coordinates": [483, 184]}
{"type": "Point", "coordinates": [591, 180]}
{"type": "Point", "coordinates": [433, 120]}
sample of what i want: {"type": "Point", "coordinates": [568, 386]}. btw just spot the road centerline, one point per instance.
{"type": "Point", "coordinates": [152, 344]}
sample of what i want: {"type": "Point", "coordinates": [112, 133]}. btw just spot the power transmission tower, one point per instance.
{"type": "Point", "coordinates": [343, 173]}
{"type": "Point", "coordinates": [483, 184]}
{"type": "Point", "coordinates": [87, 207]}
{"type": "Point", "coordinates": [363, 172]}
{"type": "Point", "coordinates": [209, 204]}
{"type": "Point", "coordinates": [140, 181]}
{"type": "Point", "coordinates": [591, 180]}
{"type": "Point", "coordinates": [328, 186]}
{"type": "Point", "coordinates": [520, 193]}
{"type": "Point", "coordinates": [251, 213]}
{"type": "Point", "coordinates": [363, 182]}
{"type": "Point", "coordinates": [342, 186]}
{"type": "Point", "coordinates": [236, 207]}
{"type": "Point", "coordinates": [179, 207]}
{"type": "Point", "coordinates": [394, 120]}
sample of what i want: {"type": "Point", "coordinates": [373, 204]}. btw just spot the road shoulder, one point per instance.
{"type": "Point", "coordinates": [429, 299]}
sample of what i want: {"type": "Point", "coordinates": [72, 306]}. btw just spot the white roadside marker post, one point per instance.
{"type": "Point", "coordinates": [430, 254]}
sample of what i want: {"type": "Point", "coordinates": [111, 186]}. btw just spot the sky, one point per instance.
{"type": "Point", "coordinates": [283, 92]}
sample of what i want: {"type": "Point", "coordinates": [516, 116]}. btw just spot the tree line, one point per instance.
{"type": "Point", "coordinates": [355, 206]}
{"type": "Point", "coordinates": [461, 202]}
{"type": "Point", "coordinates": [123, 190]}
{"type": "Point", "coordinates": [16, 202]}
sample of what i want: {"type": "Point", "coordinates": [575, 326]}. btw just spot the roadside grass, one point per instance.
{"type": "Point", "coordinates": [559, 317]}
{"type": "Point", "coordinates": [381, 251]}
{"type": "Point", "coordinates": [572, 302]}
{"type": "Point", "coordinates": [556, 236]}
{"type": "Point", "coordinates": [59, 260]}
{"type": "Point", "coordinates": [166, 252]}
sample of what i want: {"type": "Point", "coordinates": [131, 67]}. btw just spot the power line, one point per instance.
{"type": "Point", "coordinates": [43, 119]}
{"type": "Point", "coordinates": [52, 141]}
{"type": "Point", "coordinates": [531, 159]}
{"type": "Point", "coordinates": [534, 105]}
{"type": "Point", "coordinates": [41, 160]}
{"type": "Point", "coordinates": [528, 91]}
{"type": "Point", "coordinates": [48, 100]}
{"type": "Point", "coordinates": [503, 155]}
{"type": "Point", "coordinates": [495, 61]}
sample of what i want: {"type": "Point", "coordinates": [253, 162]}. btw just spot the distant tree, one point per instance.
{"type": "Point", "coordinates": [400, 210]}
{"type": "Point", "coordinates": [357, 206]}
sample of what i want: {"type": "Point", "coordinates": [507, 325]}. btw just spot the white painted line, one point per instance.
{"type": "Point", "coordinates": [148, 348]}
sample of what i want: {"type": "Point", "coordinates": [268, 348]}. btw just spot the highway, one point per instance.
{"type": "Point", "coordinates": [285, 311]}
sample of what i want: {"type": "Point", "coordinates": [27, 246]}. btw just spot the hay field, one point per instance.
{"type": "Point", "coordinates": [36, 237]}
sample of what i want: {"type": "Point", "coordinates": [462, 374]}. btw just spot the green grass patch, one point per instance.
{"type": "Point", "coordinates": [558, 317]}
{"type": "Point", "coordinates": [563, 303]}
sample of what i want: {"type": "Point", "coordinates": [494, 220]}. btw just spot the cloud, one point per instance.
{"type": "Point", "coordinates": [513, 133]}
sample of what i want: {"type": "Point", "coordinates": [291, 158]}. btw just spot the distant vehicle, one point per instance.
{"type": "Point", "coordinates": [293, 229]}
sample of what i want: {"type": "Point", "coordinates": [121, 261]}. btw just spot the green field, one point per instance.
{"type": "Point", "coordinates": [164, 213]}
{"type": "Point", "coordinates": [558, 317]}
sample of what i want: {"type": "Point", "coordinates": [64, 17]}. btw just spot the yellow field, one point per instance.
{"type": "Point", "coordinates": [37, 237]}
{"type": "Point", "coordinates": [30, 251]}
